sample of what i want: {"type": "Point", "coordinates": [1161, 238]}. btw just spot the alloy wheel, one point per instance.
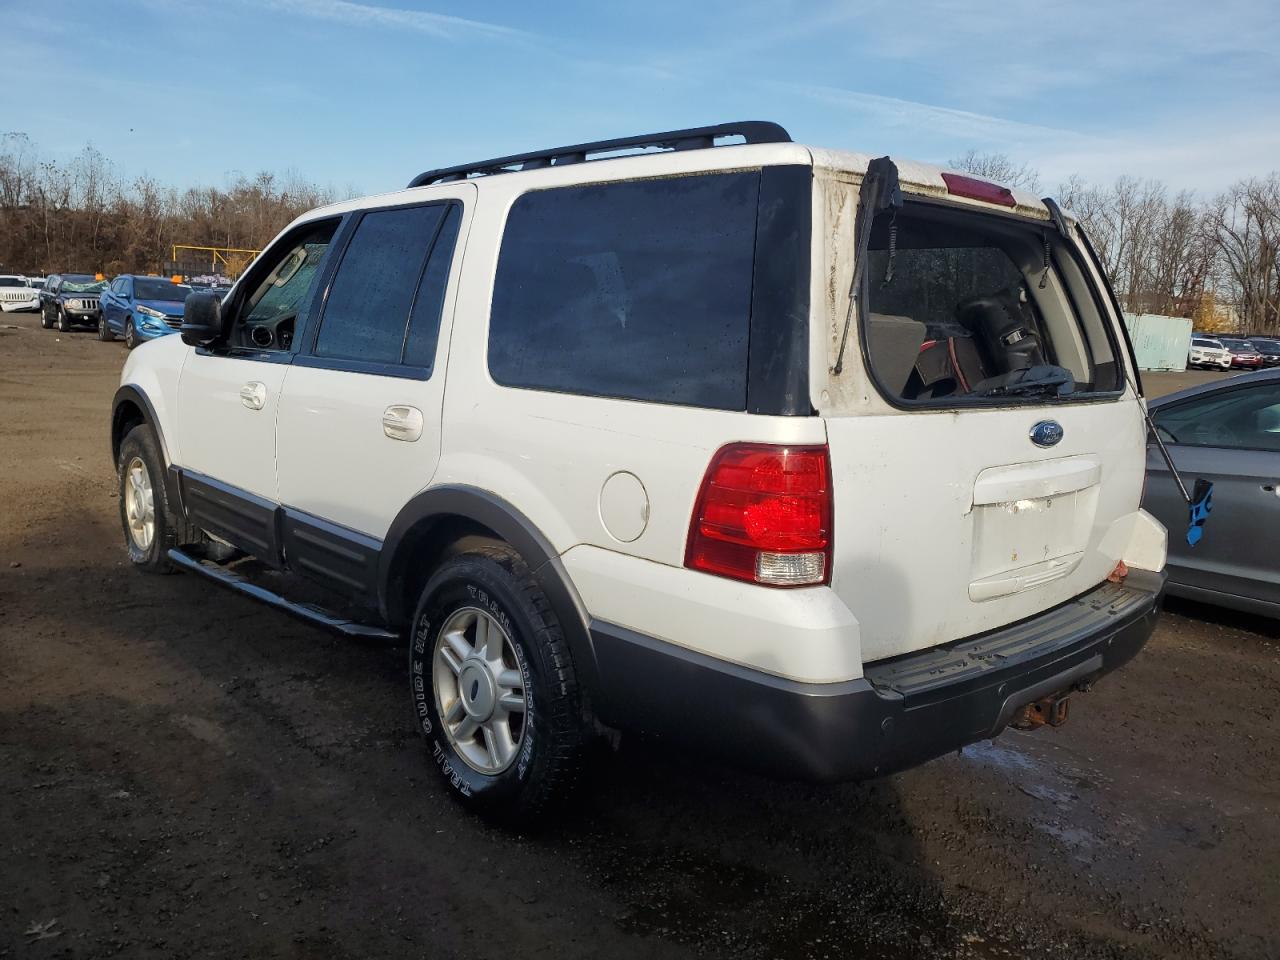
{"type": "Point", "coordinates": [479, 690]}
{"type": "Point", "coordinates": [139, 504]}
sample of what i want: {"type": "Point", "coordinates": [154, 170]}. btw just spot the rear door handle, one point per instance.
{"type": "Point", "coordinates": [254, 395]}
{"type": "Point", "coordinates": [402, 423]}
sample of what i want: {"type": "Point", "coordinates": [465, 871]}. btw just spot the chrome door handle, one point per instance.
{"type": "Point", "coordinates": [254, 395]}
{"type": "Point", "coordinates": [402, 423]}
{"type": "Point", "coordinates": [1271, 488]}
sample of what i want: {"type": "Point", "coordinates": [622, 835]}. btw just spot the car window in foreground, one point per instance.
{"type": "Point", "coordinates": [639, 289]}
{"type": "Point", "coordinates": [1246, 418]}
{"type": "Point", "coordinates": [969, 308]}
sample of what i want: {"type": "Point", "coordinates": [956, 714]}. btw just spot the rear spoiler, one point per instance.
{"type": "Point", "coordinates": [1200, 500]}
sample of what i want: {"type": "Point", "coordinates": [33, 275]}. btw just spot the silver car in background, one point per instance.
{"type": "Point", "coordinates": [1228, 432]}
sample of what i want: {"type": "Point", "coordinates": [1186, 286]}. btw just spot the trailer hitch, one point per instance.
{"type": "Point", "coordinates": [1051, 710]}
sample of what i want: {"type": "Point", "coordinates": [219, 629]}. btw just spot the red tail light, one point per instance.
{"type": "Point", "coordinates": [975, 189]}
{"type": "Point", "coordinates": [764, 515]}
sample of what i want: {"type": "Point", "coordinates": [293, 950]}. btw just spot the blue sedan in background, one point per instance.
{"type": "Point", "coordinates": [141, 308]}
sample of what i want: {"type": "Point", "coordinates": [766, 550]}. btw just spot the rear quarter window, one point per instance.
{"type": "Point", "coordinates": [639, 290]}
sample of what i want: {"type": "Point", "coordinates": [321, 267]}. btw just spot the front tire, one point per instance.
{"type": "Point", "coordinates": [152, 525]}
{"type": "Point", "coordinates": [130, 334]}
{"type": "Point", "coordinates": [104, 332]}
{"type": "Point", "coordinates": [64, 326]}
{"type": "Point", "coordinates": [494, 688]}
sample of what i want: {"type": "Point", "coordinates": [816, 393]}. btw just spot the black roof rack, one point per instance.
{"type": "Point", "coordinates": [695, 138]}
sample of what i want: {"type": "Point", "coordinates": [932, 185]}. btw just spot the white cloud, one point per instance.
{"type": "Point", "coordinates": [366, 14]}
{"type": "Point", "coordinates": [1207, 159]}
{"type": "Point", "coordinates": [1206, 156]}
{"type": "Point", "coordinates": [948, 121]}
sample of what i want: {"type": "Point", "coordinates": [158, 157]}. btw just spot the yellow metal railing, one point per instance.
{"type": "Point", "coordinates": [233, 260]}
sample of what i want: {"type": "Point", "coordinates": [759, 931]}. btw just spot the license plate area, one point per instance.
{"type": "Point", "coordinates": [1031, 524]}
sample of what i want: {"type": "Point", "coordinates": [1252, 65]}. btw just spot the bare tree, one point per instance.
{"type": "Point", "coordinates": [1243, 225]}
{"type": "Point", "coordinates": [80, 215]}
{"type": "Point", "coordinates": [998, 168]}
{"type": "Point", "coordinates": [1153, 246]}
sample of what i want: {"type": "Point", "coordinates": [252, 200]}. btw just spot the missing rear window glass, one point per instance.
{"type": "Point", "coordinates": [972, 308]}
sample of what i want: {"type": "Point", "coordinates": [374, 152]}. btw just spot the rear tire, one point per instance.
{"type": "Point", "coordinates": [104, 332]}
{"type": "Point", "coordinates": [152, 525]}
{"type": "Point", "coordinates": [494, 688]}
{"type": "Point", "coordinates": [130, 334]}
{"type": "Point", "coordinates": [45, 320]}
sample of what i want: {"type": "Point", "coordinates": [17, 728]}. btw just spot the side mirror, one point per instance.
{"type": "Point", "coordinates": [201, 318]}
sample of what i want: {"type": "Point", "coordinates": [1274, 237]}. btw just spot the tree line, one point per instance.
{"type": "Point", "coordinates": [81, 216]}
{"type": "Point", "coordinates": [1213, 259]}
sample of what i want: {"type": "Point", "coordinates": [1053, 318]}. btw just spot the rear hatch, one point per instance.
{"type": "Point", "coordinates": [983, 438]}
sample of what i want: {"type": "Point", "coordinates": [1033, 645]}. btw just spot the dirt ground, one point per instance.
{"type": "Point", "coordinates": [1158, 384]}
{"type": "Point", "coordinates": [184, 773]}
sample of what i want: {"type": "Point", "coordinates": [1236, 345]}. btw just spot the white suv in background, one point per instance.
{"type": "Point", "coordinates": [823, 464]}
{"type": "Point", "coordinates": [16, 293]}
{"type": "Point", "coordinates": [1208, 352]}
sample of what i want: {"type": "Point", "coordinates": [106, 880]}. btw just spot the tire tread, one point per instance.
{"type": "Point", "coordinates": [561, 761]}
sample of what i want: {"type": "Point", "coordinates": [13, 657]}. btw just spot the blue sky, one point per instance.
{"type": "Point", "coordinates": [363, 94]}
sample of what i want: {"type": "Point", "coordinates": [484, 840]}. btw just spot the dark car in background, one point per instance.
{"type": "Point", "coordinates": [1227, 431]}
{"type": "Point", "coordinates": [1269, 348]}
{"type": "Point", "coordinates": [71, 300]}
{"type": "Point", "coordinates": [1243, 354]}
{"type": "Point", "coordinates": [141, 308]}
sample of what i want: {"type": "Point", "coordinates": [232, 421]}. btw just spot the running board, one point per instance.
{"type": "Point", "coordinates": [303, 611]}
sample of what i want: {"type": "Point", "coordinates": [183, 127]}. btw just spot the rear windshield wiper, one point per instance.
{"type": "Point", "coordinates": [1042, 379]}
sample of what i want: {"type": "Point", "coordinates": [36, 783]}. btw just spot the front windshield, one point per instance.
{"type": "Point", "coordinates": [83, 285]}
{"type": "Point", "coordinates": [152, 288]}
{"type": "Point", "coordinates": [1270, 346]}
{"type": "Point", "coordinates": [11, 282]}
{"type": "Point", "coordinates": [1206, 343]}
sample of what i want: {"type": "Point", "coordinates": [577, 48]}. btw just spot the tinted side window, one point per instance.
{"type": "Point", "coordinates": [367, 311]}
{"type": "Point", "coordinates": [424, 321]}
{"type": "Point", "coordinates": [639, 289]}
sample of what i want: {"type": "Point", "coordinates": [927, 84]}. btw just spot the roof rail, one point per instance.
{"type": "Point", "coordinates": [695, 138]}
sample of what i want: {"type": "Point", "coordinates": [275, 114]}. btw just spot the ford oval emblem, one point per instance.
{"type": "Point", "coordinates": [1046, 433]}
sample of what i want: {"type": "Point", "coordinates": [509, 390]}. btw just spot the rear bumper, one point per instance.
{"type": "Point", "coordinates": [901, 712]}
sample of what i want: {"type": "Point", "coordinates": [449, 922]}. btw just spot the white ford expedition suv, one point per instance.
{"type": "Point", "coordinates": [822, 463]}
